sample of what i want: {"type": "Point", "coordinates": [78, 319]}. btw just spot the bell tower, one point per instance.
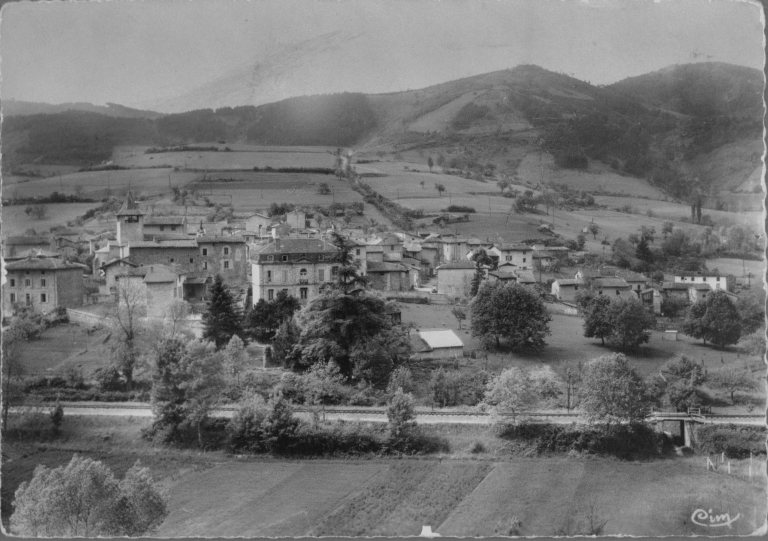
{"type": "Point", "coordinates": [130, 221]}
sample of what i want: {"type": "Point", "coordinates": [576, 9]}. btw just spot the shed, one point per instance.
{"type": "Point", "coordinates": [436, 344]}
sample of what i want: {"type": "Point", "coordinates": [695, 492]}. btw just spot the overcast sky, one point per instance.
{"type": "Point", "coordinates": [136, 52]}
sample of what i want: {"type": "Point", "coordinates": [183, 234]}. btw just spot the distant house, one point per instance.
{"type": "Point", "coordinates": [296, 219]}
{"type": "Point", "coordinates": [36, 253]}
{"type": "Point", "coordinates": [615, 287]}
{"type": "Point", "coordinates": [698, 292]}
{"type": "Point", "coordinates": [651, 297]}
{"type": "Point", "coordinates": [13, 246]}
{"type": "Point", "coordinates": [714, 281]}
{"type": "Point", "coordinates": [454, 248]}
{"type": "Point", "coordinates": [566, 289]}
{"type": "Point", "coordinates": [165, 224]}
{"type": "Point", "coordinates": [543, 259]}
{"type": "Point", "coordinates": [156, 286]}
{"type": "Point", "coordinates": [43, 283]}
{"type": "Point", "coordinates": [516, 276]}
{"type": "Point", "coordinates": [455, 278]}
{"type": "Point", "coordinates": [637, 282]}
{"type": "Point", "coordinates": [386, 276]}
{"type": "Point", "coordinates": [258, 223]}
{"type": "Point", "coordinates": [436, 344]}
{"type": "Point", "coordinates": [112, 268]}
{"type": "Point", "coordinates": [519, 255]}
{"type": "Point", "coordinates": [673, 290]}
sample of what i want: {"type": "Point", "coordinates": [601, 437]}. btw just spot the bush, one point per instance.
{"type": "Point", "coordinates": [626, 442]}
{"type": "Point", "coordinates": [460, 208]}
{"type": "Point", "coordinates": [736, 441]}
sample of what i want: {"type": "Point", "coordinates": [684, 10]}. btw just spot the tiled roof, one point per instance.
{"type": "Point", "coordinates": [228, 239]}
{"type": "Point", "coordinates": [513, 247]}
{"type": "Point", "coordinates": [118, 260]}
{"type": "Point", "coordinates": [34, 252]}
{"type": "Point", "coordinates": [11, 241]}
{"type": "Point", "coordinates": [43, 263]}
{"type": "Point", "coordinates": [130, 207]}
{"type": "Point", "coordinates": [630, 276]}
{"type": "Point", "coordinates": [298, 246]}
{"type": "Point", "coordinates": [164, 220]}
{"type": "Point", "coordinates": [166, 236]}
{"type": "Point", "coordinates": [568, 282]}
{"type": "Point", "coordinates": [380, 266]}
{"type": "Point", "coordinates": [457, 265]}
{"type": "Point", "coordinates": [610, 282]}
{"type": "Point", "coordinates": [541, 254]}
{"type": "Point", "coordinates": [525, 277]}
{"type": "Point", "coordinates": [443, 338]}
{"type": "Point", "coordinates": [501, 275]}
{"type": "Point", "coordinates": [675, 285]}
{"type": "Point", "coordinates": [165, 244]}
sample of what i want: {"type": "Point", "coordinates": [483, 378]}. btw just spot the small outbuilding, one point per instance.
{"type": "Point", "coordinates": [436, 344]}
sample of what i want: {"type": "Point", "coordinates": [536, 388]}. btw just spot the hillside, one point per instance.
{"type": "Point", "coordinates": [24, 108]}
{"type": "Point", "coordinates": [690, 130]}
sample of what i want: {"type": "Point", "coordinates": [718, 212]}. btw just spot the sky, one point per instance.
{"type": "Point", "coordinates": [143, 52]}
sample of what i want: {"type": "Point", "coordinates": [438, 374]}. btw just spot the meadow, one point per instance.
{"type": "Point", "coordinates": [241, 157]}
{"type": "Point", "coordinates": [17, 222]}
{"type": "Point", "coordinates": [65, 347]}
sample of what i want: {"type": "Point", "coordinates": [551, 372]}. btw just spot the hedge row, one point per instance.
{"type": "Point", "coordinates": [736, 441]}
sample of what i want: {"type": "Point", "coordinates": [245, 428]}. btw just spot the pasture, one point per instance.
{"type": "Point", "coordinates": [240, 157]}
{"type": "Point", "coordinates": [62, 348]}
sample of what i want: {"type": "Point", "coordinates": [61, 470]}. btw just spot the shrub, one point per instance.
{"type": "Point", "coordinates": [460, 208]}
{"type": "Point", "coordinates": [736, 441]}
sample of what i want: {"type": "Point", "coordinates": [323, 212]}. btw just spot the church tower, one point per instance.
{"type": "Point", "coordinates": [130, 221]}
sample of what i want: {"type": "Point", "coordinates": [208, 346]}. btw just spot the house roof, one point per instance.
{"type": "Point", "coordinates": [412, 247]}
{"type": "Point", "coordinates": [34, 252]}
{"type": "Point", "coordinates": [162, 274]}
{"type": "Point", "coordinates": [210, 239]}
{"type": "Point", "coordinates": [165, 236]}
{"type": "Point", "coordinates": [441, 338]}
{"type": "Point", "coordinates": [541, 254]}
{"type": "Point", "coordinates": [15, 241]}
{"type": "Point", "coordinates": [165, 220]}
{"type": "Point", "coordinates": [374, 249]}
{"type": "Point", "coordinates": [117, 260]}
{"type": "Point", "coordinates": [675, 285]}
{"type": "Point", "coordinates": [630, 276]}
{"type": "Point", "coordinates": [298, 246]}
{"type": "Point", "coordinates": [525, 277]}
{"type": "Point", "coordinates": [591, 273]}
{"type": "Point", "coordinates": [501, 275]}
{"type": "Point", "coordinates": [164, 244]}
{"type": "Point", "coordinates": [514, 247]}
{"type": "Point", "coordinates": [130, 207]}
{"type": "Point", "coordinates": [43, 263]}
{"type": "Point", "coordinates": [457, 265]}
{"type": "Point", "coordinates": [568, 282]}
{"type": "Point", "coordinates": [66, 232]}
{"type": "Point", "coordinates": [700, 287]}
{"type": "Point", "coordinates": [610, 282]}
{"type": "Point", "coordinates": [411, 261]}
{"type": "Point", "coordinates": [381, 266]}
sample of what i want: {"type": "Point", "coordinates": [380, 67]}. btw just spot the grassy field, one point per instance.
{"type": "Point", "coordinates": [479, 495]}
{"type": "Point", "coordinates": [64, 347]}
{"type": "Point", "coordinates": [241, 157]}
{"type": "Point", "coordinates": [16, 221]}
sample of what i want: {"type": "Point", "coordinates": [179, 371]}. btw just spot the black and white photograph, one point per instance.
{"type": "Point", "coordinates": [383, 268]}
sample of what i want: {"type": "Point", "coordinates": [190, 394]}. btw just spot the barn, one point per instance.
{"type": "Point", "coordinates": [436, 344]}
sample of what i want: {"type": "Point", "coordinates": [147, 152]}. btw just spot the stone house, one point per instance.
{"type": "Point", "coordinates": [258, 223]}
{"type": "Point", "coordinates": [455, 278]}
{"type": "Point", "coordinates": [111, 269]}
{"type": "Point", "coordinates": [16, 246]}
{"type": "Point", "coordinates": [714, 281]}
{"type": "Point", "coordinates": [386, 276]}
{"type": "Point", "coordinates": [519, 255]}
{"type": "Point", "coordinates": [227, 256]}
{"type": "Point", "coordinates": [183, 253]}
{"type": "Point", "coordinates": [43, 283]}
{"type": "Point", "coordinates": [637, 282]}
{"type": "Point", "coordinates": [454, 248]}
{"type": "Point", "coordinates": [566, 289]}
{"type": "Point", "coordinates": [675, 290]}
{"type": "Point", "coordinates": [615, 287]}
{"type": "Point", "coordinates": [296, 219]}
{"type": "Point", "coordinates": [298, 266]}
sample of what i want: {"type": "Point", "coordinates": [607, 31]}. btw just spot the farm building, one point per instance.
{"type": "Point", "coordinates": [43, 283]}
{"type": "Point", "coordinates": [436, 344]}
{"type": "Point", "coordinates": [566, 289]}
{"type": "Point", "coordinates": [455, 278]}
{"type": "Point", "coordinates": [637, 282]}
{"type": "Point", "coordinates": [652, 298]}
{"type": "Point", "coordinates": [675, 290]}
{"type": "Point", "coordinates": [614, 287]}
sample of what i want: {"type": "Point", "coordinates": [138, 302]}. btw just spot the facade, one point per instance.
{"type": "Point", "coordinates": [43, 284]}
{"type": "Point", "coordinates": [227, 256]}
{"type": "Point", "coordinates": [386, 276]}
{"type": "Point", "coordinates": [296, 219]}
{"type": "Point", "coordinates": [519, 255]}
{"type": "Point", "coordinates": [454, 249]}
{"type": "Point", "coordinates": [130, 221]}
{"type": "Point", "coordinates": [652, 298]}
{"type": "Point", "coordinates": [436, 344]}
{"type": "Point", "coordinates": [714, 282]}
{"type": "Point", "coordinates": [637, 282]}
{"type": "Point", "coordinates": [298, 266]}
{"type": "Point", "coordinates": [183, 253]}
{"type": "Point", "coordinates": [455, 278]}
{"type": "Point", "coordinates": [675, 290]}
{"type": "Point", "coordinates": [258, 223]}
{"type": "Point", "coordinates": [615, 287]}
{"type": "Point", "coordinates": [111, 269]}
{"type": "Point", "coordinates": [698, 292]}
{"type": "Point", "coordinates": [565, 290]}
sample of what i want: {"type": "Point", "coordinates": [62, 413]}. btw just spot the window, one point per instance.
{"type": "Point", "coordinates": [162, 228]}
{"type": "Point", "coordinates": [285, 276]}
{"type": "Point", "coordinates": [357, 251]}
{"type": "Point", "coordinates": [43, 297]}
{"type": "Point", "coordinates": [13, 282]}
{"type": "Point", "coordinates": [321, 257]}
{"type": "Point", "coordinates": [173, 228]}
{"type": "Point", "coordinates": [226, 264]}
{"type": "Point", "coordinates": [226, 250]}
{"type": "Point", "coordinates": [718, 278]}
{"type": "Point", "coordinates": [42, 282]}
{"type": "Point", "coordinates": [303, 276]}
{"type": "Point", "coordinates": [270, 294]}
{"type": "Point", "coordinates": [303, 293]}
{"type": "Point", "coordinates": [285, 258]}
{"type": "Point", "coordinates": [576, 288]}
{"type": "Point", "coordinates": [172, 260]}
{"type": "Point", "coordinates": [42, 272]}
{"type": "Point", "coordinates": [617, 292]}
{"type": "Point", "coordinates": [303, 256]}
{"type": "Point", "coordinates": [321, 275]}
{"type": "Point", "coordinates": [27, 282]}
{"type": "Point", "coordinates": [13, 297]}
{"type": "Point", "coordinates": [524, 260]}
{"type": "Point", "coordinates": [205, 265]}
{"type": "Point", "coordinates": [270, 258]}
{"type": "Point", "coordinates": [600, 293]}
{"type": "Point", "coordinates": [269, 276]}
{"type": "Point", "coordinates": [205, 251]}
{"type": "Point", "coordinates": [509, 258]}
{"type": "Point", "coordinates": [285, 291]}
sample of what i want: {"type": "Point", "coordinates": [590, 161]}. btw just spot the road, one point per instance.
{"type": "Point", "coordinates": [360, 414]}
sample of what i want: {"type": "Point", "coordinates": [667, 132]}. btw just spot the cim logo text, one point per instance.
{"type": "Point", "coordinates": [706, 518]}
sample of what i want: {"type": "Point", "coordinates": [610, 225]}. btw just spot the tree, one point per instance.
{"type": "Point", "coordinates": [348, 215]}
{"type": "Point", "coordinates": [732, 379]}
{"type": "Point", "coordinates": [511, 393]}
{"type": "Point", "coordinates": [459, 313]}
{"type": "Point", "coordinates": [647, 233]}
{"type": "Point", "coordinates": [666, 229]}
{"type": "Point", "coordinates": [682, 377]}
{"type": "Point", "coordinates": [83, 499]}
{"type": "Point", "coordinates": [752, 315]}
{"type": "Point", "coordinates": [430, 163]}
{"type": "Point", "coordinates": [421, 183]}
{"type": "Point", "coordinates": [235, 358]}
{"type": "Point", "coordinates": [263, 320]}
{"type": "Point", "coordinates": [631, 323]}
{"type": "Point", "coordinates": [12, 368]}
{"type": "Point", "coordinates": [594, 229]}
{"type": "Point", "coordinates": [597, 324]}
{"type": "Point", "coordinates": [481, 259]}
{"type": "Point", "coordinates": [127, 327]}
{"type": "Point", "coordinates": [400, 378]}
{"type": "Point", "coordinates": [37, 211]}
{"type": "Point", "coordinates": [323, 188]}
{"type": "Point", "coordinates": [222, 318]}
{"type": "Point", "coordinates": [715, 319]}
{"type": "Point", "coordinates": [401, 414]}
{"type": "Point", "coordinates": [511, 312]}
{"type": "Point", "coordinates": [176, 317]}
{"type": "Point", "coordinates": [643, 252]}
{"type": "Point", "coordinates": [672, 306]}
{"type": "Point", "coordinates": [613, 392]}
{"type": "Point", "coordinates": [502, 185]}
{"type": "Point", "coordinates": [440, 188]}
{"type": "Point", "coordinates": [581, 240]}
{"type": "Point", "coordinates": [320, 382]}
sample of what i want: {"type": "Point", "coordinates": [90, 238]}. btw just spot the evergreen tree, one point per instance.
{"type": "Point", "coordinates": [643, 252]}
{"type": "Point", "coordinates": [222, 319]}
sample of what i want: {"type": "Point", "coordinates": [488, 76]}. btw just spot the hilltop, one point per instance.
{"type": "Point", "coordinates": [690, 130]}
